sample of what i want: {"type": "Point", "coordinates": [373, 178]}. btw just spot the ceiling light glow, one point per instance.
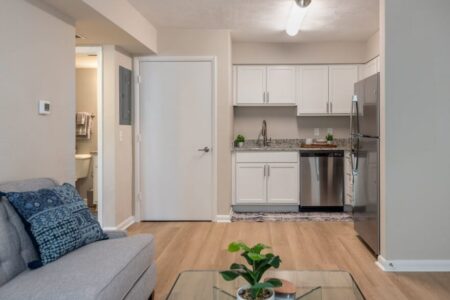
{"type": "Point", "coordinates": [296, 17]}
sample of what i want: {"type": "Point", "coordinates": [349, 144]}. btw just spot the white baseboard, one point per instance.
{"type": "Point", "coordinates": [413, 265]}
{"type": "Point", "coordinates": [223, 219]}
{"type": "Point", "coordinates": [122, 226]}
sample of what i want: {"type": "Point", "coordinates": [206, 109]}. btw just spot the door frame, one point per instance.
{"type": "Point", "coordinates": [137, 126]}
{"type": "Point", "coordinates": [97, 50]}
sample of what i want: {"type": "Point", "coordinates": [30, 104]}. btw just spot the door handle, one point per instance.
{"type": "Point", "coordinates": [204, 149]}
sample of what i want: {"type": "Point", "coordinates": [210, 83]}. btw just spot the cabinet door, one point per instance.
{"type": "Point", "coordinates": [342, 81]}
{"type": "Point", "coordinates": [250, 85]}
{"type": "Point", "coordinates": [283, 183]}
{"type": "Point", "coordinates": [250, 183]}
{"type": "Point", "coordinates": [312, 83]}
{"type": "Point", "coordinates": [281, 85]}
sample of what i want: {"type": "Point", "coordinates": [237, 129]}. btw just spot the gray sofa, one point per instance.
{"type": "Point", "coordinates": [118, 268]}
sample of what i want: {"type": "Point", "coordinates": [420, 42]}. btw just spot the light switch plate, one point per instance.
{"type": "Point", "coordinates": [44, 107]}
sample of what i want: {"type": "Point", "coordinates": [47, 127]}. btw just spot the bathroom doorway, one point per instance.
{"type": "Point", "coordinates": [88, 131]}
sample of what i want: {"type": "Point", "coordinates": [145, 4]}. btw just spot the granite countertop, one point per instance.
{"type": "Point", "coordinates": [289, 145]}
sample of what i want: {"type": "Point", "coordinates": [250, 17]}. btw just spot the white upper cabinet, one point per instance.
{"type": "Point", "coordinates": [312, 83]}
{"type": "Point", "coordinates": [264, 85]}
{"type": "Point", "coordinates": [342, 82]}
{"type": "Point", "coordinates": [250, 84]}
{"type": "Point", "coordinates": [370, 68]}
{"type": "Point", "coordinates": [280, 85]}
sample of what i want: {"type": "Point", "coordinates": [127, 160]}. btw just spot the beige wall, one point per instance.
{"type": "Point", "coordinates": [372, 47]}
{"type": "Point", "coordinates": [298, 53]}
{"type": "Point", "coordinates": [117, 144]}
{"type": "Point", "coordinates": [86, 101]}
{"type": "Point", "coordinates": [127, 18]}
{"type": "Point", "coordinates": [210, 43]}
{"type": "Point", "coordinates": [416, 199]}
{"type": "Point", "coordinates": [37, 59]}
{"type": "Point", "coordinates": [283, 123]}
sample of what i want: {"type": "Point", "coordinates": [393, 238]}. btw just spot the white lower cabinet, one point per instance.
{"type": "Point", "coordinates": [263, 178]}
{"type": "Point", "coordinates": [250, 183]}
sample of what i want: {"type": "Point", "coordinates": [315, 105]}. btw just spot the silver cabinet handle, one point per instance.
{"type": "Point", "coordinates": [328, 107]}
{"type": "Point", "coordinates": [268, 97]}
{"type": "Point", "coordinates": [331, 107]}
{"type": "Point", "coordinates": [204, 149]}
{"type": "Point", "coordinates": [264, 97]}
{"type": "Point", "coordinates": [268, 170]}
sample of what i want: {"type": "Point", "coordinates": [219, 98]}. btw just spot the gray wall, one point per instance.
{"type": "Point", "coordinates": [416, 170]}
{"type": "Point", "coordinates": [37, 59]}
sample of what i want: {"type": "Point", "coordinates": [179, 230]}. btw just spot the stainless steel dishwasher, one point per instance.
{"type": "Point", "coordinates": [322, 180]}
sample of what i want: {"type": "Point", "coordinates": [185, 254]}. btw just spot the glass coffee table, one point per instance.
{"type": "Point", "coordinates": [310, 285]}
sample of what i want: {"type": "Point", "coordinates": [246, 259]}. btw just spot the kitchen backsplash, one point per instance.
{"type": "Point", "coordinates": [283, 123]}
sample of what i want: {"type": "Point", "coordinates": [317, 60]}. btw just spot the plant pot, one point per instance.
{"type": "Point", "coordinates": [240, 144]}
{"type": "Point", "coordinates": [238, 297]}
{"type": "Point", "coordinates": [329, 142]}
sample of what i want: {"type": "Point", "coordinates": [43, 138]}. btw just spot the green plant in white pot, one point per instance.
{"type": "Point", "coordinates": [239, 141]}
{"type": "Point", "coordinates": [258, 264]}
{"type": "Point", "coordinates": [329, 138]}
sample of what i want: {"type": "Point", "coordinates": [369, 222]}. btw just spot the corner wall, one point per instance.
{"type": "Point", "coordinates": [37, 59]}
{"type": "Point", "coordinates": [416, 198]}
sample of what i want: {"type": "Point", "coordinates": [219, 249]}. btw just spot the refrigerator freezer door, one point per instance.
{"type": "Point", "coordinates": [366, 188]}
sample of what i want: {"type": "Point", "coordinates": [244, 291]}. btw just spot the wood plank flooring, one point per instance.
{"type": "Point", "coordinates": [302, 245]}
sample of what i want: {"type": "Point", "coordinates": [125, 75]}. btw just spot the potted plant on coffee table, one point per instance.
{"type": "Point", "coordinates": [258, 264]}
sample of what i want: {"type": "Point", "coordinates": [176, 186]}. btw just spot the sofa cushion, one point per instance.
{"type": "Point", "coordinates": [103, 270]}
{"type": "Point", "coordinates": [57, 219]}
{"type": "Point", "coordinates": [16, 248]}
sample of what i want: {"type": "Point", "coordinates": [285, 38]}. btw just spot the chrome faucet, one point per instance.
{"type": "Point", "coordinates": [263, 134]}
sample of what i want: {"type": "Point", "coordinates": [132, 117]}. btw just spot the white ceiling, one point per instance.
{"type": "Point", "coordinates": [265, 20]}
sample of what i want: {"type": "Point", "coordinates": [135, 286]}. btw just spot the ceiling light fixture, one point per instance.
{"type": "Point", "coordinates": [298, 13]}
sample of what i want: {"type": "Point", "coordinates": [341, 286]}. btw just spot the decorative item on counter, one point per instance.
{"type": "Point", "coordinates": [329, 138]}
{"type": "Point", "coordinates": [239, 141]}
{"type": "Point", "coordinates": [308, 141]}
{"type": "Point", "coordinates": [258, 264]}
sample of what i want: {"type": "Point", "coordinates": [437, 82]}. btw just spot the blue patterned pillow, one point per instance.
{"type": "Point", "coordinates": [57, 219]}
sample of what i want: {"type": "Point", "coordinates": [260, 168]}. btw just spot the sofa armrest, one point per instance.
{"type": "Point", "coordinates": [116, 234]}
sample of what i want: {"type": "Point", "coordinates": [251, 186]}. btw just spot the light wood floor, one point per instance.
{"type": "Point", "coordinates": [301, 245]}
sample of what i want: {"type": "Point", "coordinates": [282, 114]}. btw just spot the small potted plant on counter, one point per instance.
{"type": "Point", "coordinates": [239, 141]}
{"type": "Point", "coordinates": [329, 138]}
{"type": "Point", "coordinates": [258, 263]}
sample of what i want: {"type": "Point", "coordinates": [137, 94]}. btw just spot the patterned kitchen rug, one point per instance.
{"type": "Point", "coordinates": [292, 217]}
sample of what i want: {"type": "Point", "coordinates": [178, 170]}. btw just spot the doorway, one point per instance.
{"type": "Point", "coordinates": [176, 155]}
{"type": "Point", "coordinates": [88, 130]}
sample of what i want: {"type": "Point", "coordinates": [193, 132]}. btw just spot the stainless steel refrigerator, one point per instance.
{"type": "Point", "coordinates": [365, 132]}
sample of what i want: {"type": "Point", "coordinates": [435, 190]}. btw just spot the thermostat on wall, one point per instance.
{"type": "Point", "coordinates": [44, 107]}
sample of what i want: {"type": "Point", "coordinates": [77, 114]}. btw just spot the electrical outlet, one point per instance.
{"type": "Point", "coordinates": [316, 132]}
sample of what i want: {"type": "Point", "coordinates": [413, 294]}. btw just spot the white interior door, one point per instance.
{"type": "Point", "coordinates": [176, 121]}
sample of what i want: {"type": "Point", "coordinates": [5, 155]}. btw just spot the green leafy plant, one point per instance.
{"type": "Point", "coordinates": [239, 139]}
{"type": "Point", "coordinates": [258, 263]}
{"type": "Point", "coordinates": [329, 137]}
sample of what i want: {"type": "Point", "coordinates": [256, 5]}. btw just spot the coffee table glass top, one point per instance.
{"type": "Point", "coordinates": [311, 285]}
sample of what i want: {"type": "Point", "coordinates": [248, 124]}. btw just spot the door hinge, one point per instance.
{"type": "Point", "coordinates": [139, 79]}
